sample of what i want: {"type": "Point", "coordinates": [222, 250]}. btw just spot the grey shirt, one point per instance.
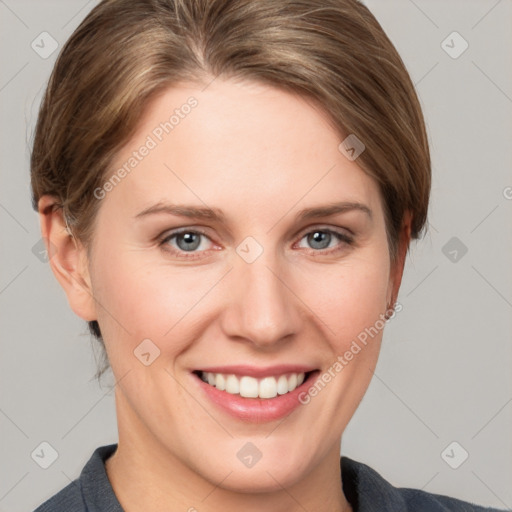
{"type": "Point", "coordinates": [363, 487]}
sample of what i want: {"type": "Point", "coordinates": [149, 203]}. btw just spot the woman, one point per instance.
{"type": "Point", "coordinates": [228, 191]}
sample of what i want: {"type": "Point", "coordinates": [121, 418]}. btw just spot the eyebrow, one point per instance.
{"type": "Point", "coordinates": [215, 214]}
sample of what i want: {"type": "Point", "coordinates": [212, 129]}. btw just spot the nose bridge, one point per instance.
{"type": "Point", "coordinates": [262, 308]}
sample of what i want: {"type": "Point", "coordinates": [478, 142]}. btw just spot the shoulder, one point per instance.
{"type": "Point", "coordinates": [368, 491]}
{"type": "Point", "coordinates": [91, 489]}
{"type": "Point", "coordinates": [68, 499]}
{"type": "Point", "coordinates": [425, 501]}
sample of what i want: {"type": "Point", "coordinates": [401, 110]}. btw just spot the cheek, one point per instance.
{"type": "Point", "coordinates": [143, 298]}
{"type": "Point", "coordinates": [348, 297]}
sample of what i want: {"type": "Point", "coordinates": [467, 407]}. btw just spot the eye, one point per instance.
{"type": "Point", "coordinates": [321, 239]}
{"type": "Point", "coordinates": [184, 241]}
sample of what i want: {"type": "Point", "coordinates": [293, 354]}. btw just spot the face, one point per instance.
{"type": "Point", "coordinates": [255, 288]}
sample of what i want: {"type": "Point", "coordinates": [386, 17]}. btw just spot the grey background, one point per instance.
{"type": "Point", "coordinates": [444, 370]}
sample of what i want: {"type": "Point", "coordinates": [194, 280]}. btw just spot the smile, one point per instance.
{"type": "Point", "coordinates": [254, 394]}
{"type": "Point", "coordinates": [251, 387]}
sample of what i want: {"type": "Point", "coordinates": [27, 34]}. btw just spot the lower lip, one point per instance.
{"type": "Point", "coordinates": [256, 410]}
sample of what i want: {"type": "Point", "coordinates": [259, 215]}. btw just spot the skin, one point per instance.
{"type": "Point", "coordinates": [261, 155]}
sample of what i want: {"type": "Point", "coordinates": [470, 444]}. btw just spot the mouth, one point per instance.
{"type": "Point", "coordinates": [255, 394]}
{"type": "Point", "coordinates": [249, 386]}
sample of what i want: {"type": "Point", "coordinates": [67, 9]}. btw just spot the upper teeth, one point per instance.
{"type": "Point", "coordinates": [250, 387]}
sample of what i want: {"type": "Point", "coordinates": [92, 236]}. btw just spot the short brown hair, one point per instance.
{"type": "Point", "coordinates": [127, 51]}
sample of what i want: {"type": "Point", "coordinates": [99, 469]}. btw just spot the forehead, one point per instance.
{"type": "Point", "coordinates": [246, 145]}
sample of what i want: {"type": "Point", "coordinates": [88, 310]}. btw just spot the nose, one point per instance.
{"type": "Point", "coordinates": [262, 307]}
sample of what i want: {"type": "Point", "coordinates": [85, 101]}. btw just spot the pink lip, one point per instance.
{"type": "Point", "coordinates": [258, 373]}
{"type": "Point", "coordinates": [256, 410]}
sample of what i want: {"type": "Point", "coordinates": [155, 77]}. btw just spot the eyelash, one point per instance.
{"type": "Point", "coordinates": [342, 237]}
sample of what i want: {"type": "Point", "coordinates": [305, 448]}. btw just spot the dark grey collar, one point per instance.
{"type": "Point", "coordinates": [363, 487]}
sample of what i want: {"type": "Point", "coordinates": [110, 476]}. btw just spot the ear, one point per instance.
{"type": "Point", "coordinates": [397, 268]}
{"type": "Point", "coordinates": [67, 258]}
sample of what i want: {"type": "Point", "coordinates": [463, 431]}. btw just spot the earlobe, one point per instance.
{"type": "Point", "coordinates": [67, 258]}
